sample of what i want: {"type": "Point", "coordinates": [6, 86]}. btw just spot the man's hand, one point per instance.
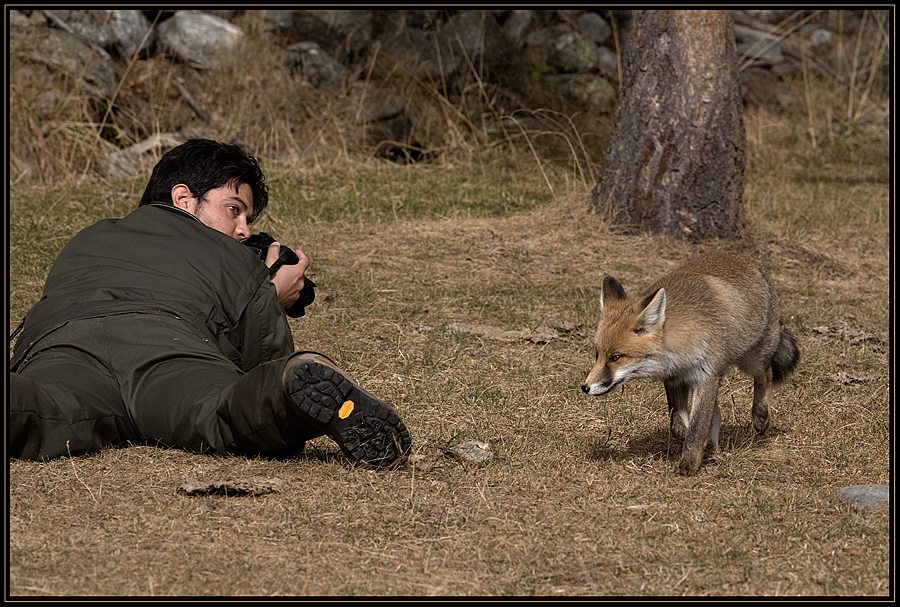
{"type": "Point", "coordinates": [288, 280]}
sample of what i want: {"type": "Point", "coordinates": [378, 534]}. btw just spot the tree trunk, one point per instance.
{"type": "Point", "coordinates": [677, 150]}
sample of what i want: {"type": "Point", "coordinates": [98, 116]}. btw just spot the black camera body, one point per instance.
{"type": "Point", "coordinates": [259, 244]}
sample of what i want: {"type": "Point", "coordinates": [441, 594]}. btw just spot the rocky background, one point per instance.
{"type": "Point", "coordinates": [566, 61]}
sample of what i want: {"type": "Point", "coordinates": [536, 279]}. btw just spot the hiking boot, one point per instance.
{"type": "Point", "coordinates": [367, 430]}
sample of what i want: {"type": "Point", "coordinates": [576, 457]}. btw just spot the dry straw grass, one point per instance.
{"type": "Point", "coordinates": [425, 273]}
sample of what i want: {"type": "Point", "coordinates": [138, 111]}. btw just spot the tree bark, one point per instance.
{"type": "Point", "coordinates": [677, 151]}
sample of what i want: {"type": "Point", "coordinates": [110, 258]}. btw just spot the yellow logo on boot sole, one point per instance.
{"type": "Point", "coordinates": [346, 409]}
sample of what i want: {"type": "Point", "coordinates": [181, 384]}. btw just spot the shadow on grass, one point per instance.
{"type": "Point", "coordinates": [661, 444]}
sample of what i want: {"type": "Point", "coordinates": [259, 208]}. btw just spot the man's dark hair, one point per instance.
{"type": "Point", "coordinates": [203, 165]}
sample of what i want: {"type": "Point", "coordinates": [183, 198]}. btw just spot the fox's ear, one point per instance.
{"type": "Point", "coordinates": [654, 312]}
{"type": "Point", "coordinates": [609, 290]}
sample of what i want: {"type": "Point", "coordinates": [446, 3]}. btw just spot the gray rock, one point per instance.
{"type": "Point", "coordinates": [479, 34]}
{"type": "Point", "coordinates": [17, 19]}
{"type": "Point", "coordinates": [71, 55]}
{"type": "Point", "coordinates": [871, 496]}
{"type": "Point", "coordinates": [469, 38]}
{"type": "Point", "coordinates": [472, 451]}
{"type": "Point", "coordinates": [515, 27]}
{"type": "Point", "coordinates": [428, 55]}
{"type": "Point", "coordinates": [609, 62]}
{"type": "Point", "coordinates": [199, 39]}
{"type": "Point", "coordinates": [279, 20]}
{"type": "Point", "coordinates": [337, 31]}
{"type": "Point", "coordinates": [596, 27]}
{"type": "Point", "coordinates": [129, 31]}
{"type": "Point", "coordinates": [124, 30]}
{"type": "Point", "coordinates": [593, 92]}
{"type": "Point", "coordinates": [318, 67]}
{"type": "Point", "coordinates": [572, 52]}
{"type": "Point", "coordinates": [820, 37]}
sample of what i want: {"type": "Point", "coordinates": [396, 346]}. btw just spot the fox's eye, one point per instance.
{"type": "Point", "coordinates": [614, 358]}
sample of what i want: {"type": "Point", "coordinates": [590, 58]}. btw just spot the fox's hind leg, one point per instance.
{"type": "Point", "coordinates": [677, 396]}
{"type": "Point", "coordinates": [762, 385]}
{"type": "Point", "coordinates": [712, 442]}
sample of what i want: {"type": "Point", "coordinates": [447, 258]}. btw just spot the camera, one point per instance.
{"type": "Point", "coordinates": [259, 244]}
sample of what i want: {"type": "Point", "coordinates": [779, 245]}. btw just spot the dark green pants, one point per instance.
{"type": "Point", "coordinates": [146, 379]}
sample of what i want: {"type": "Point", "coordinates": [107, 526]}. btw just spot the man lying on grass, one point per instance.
{"type": "Point", "coordinates": [162, 328]}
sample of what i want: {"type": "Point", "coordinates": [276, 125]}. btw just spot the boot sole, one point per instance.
{"type": "Point", "coordinates": [367, 430]}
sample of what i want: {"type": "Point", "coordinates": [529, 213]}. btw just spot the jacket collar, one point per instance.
{"type": "Point", "coordinates": [174, 209]}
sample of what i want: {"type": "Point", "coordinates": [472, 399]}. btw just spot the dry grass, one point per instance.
{"type": "Point", "coordinates": [416, 266]}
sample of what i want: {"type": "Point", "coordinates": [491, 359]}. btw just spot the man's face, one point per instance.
{"type": "Point", "coordinates": [223, 209]}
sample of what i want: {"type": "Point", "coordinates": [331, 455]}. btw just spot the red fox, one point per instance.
{"type": "Point", "coordinates": [688, 329]}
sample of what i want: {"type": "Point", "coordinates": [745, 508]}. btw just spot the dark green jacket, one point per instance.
{"type": "Point", "coordinates": [161, 260]}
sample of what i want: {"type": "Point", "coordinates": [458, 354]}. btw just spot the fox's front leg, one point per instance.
{"type": "Point", "coordinates": [705, 417]}
{"type": "Point", "coordinates": [677, 397]}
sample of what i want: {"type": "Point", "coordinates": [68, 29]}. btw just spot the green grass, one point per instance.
{"type": "Point", "coordinates": [377, 191]}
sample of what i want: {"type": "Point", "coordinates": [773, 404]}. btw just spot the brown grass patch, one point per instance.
{"type": "Point", "coordinates": [580, 498]}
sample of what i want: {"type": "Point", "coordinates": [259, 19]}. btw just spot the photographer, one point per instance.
{"type": "Point", "coordinates": [162, 328]}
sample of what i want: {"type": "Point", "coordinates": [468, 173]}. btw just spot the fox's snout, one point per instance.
{"type": "Point", "coordinates": [599, 381]}
{"type": "Point", "coordinates": [597, 389]}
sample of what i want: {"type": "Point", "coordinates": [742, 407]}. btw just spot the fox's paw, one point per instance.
{"type": "Point", "coordinates": [760, 424]}
{"type": "Point", "coordinates": [688, 465]}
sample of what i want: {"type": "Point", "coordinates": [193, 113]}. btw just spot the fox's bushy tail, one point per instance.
{"type": "Point", "coordinates": [787, 355]}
